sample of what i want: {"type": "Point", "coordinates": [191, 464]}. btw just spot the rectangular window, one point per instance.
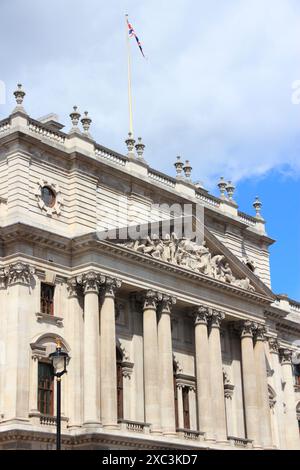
{"type": "Point", "coordinates": [45, 388]}
{"type": "Point", "coordinates": [186, 408]}
{"type": "Point", "coordinates": [47, 299]}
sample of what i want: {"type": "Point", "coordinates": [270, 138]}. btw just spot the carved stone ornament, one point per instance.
{"type": "Point", "coordinates": [93, 281]}
{"type": "Point", "coordinates": [228, 386]}
{"type": "Point", "coordinates": [73, 287]}
{"type": "Point", "coordinates": [273, 345]}
{"type": "Point", "coordinates": [151, 299]}
{"type": "Point", "coordinates": [58, 202]}
{"type": "Point", "coordinates": [247, 328]}
{"type": "Point", "coordinates": [260, 333]}
{"type": "Point", "coordinates": [167, 303]}
{"type": "Point", "coordinates": [216, 318]}
{"type": "Point", "coordinates": [189, 255]}
{"type": "Point", "coordinates": [109, 285]}
{"type": "Point", "coordinates": [89, 281]}
{"type": "Point", "coordinates": [286, 356]}
{"type": "Point", "coordinates": [201, 315]}
{"type": "Point", "coordinates": [17, 273]}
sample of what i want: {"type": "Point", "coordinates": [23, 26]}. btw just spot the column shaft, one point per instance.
{"type": "Point", "coordinates": [91, 409]}
{"type": "Point", "coordinates": [166, 368]}
{"type": "Point", "coordinates": [109, 410]}
{"type": "Point", "coordinates": [75, 326]}
{"type": "Point", "coordinates": [204, 395]}
{"type": "Point", "coordinates": [291, 424]}
{"type": "Point", "coordinates": [151, 369]}
{"type": "Point", "coordinates": [249, 384]}
{"type": "Point", "coordinates": [217, 381]}
{"type": "Point", "coordinates": [262, 390]}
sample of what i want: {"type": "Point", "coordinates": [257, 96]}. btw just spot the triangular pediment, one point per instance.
{"type": "Point", "coordinates": [198, 251]}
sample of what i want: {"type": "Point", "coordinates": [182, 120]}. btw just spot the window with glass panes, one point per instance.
{"type": "Point", "coordinates": [45, 388]}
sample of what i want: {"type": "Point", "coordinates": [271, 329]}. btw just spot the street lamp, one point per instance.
{"type": "Point", "coordinates": [60, 360]}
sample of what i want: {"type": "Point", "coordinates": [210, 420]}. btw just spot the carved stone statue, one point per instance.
{"type": "Point", "coordinates": [190, 255]}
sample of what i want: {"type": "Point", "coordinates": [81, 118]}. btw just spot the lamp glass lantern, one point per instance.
{"type": "Point", "coordinates": [59, 359]}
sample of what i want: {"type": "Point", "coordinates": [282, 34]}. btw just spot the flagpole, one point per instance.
{"type": "Point", "coordinates": [129, 78]}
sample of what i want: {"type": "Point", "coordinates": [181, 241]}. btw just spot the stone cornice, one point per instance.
{"type": "Point", "coordinates": [91, 161]}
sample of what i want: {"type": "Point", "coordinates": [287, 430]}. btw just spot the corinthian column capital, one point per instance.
{"type": "Point", "coordinates": [151, 299]}
{"type": "Point", "coordinates": [73, 287]}
{"type": "Point", "coordinates": [109, 285]}
{"type": "Point", "coordinates": [260, 332]}
{"type": "Point", "coordinates": [273, 346]}
{"type": "Point", "coordinates": [201, 315]}
{"type": "Point", "coordinates": [167, 303]}
{"type": "Point", "coordinates": [246, 328]}
{"type": "Point", "coordinates": [89, 282]}
{"type": "Point", "coordinates": [286, 356]}
{"type": "Point", "coordinates": [216, 318]}
{"type": "Point", "coordinates": [17, 273]}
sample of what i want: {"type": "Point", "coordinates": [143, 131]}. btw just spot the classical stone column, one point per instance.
{"type": "Point", "coordinates": [91, 335]}
{"type": "Point", "coordinates": [291, 424]}
{"type": "Point", "coordinates": [262, 388]}
{"type": "Point", "coordinates": [109, 408]}
{"type": "Point", "coordinates": [216, 373]}
{"type": "Point", "coordinates": [19, 309]}
{"type": "Point", "coordinates": [228, 394]}
{"type": "Point", "coordinates": [249, 383]}
{"type": "Point", "coordinates": [151, 369]}
{"type": "Point", "coordinates": [204, 391]}
{"type": "Point", "coordinates": [167, 403]}
{"type": "Point", "coordinates": [277, 377]}
{"type": "Point", "coordinates": [74, 325]}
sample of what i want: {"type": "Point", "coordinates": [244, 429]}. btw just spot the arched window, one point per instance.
{"type": "Point", "coordinates": [119, 384]}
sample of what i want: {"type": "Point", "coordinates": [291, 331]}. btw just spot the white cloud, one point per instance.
{"type": "Point", "coordinates": [216, 88]}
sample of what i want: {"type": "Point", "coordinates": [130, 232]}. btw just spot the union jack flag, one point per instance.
{"type": "Point", "coordinates": [132, 34]}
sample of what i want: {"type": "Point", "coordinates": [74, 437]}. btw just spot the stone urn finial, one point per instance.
{"type": "Point", "coordinates": [19, 94]}
{"type": "Point", "coordinates": [257, 204]}
{"type": "Point", "coordinates": [222, 184]}
{"type": "Point", "coordinates": [187, 170]}
{"type": "Point", "coordinates": [230, 188]}
{"type": "Point", "coordinates": [86, 123]}
{"type": "Point", "coordinates": [130, 143]}
{"type": "Point", "coordinates": [179, 167]}
{"type": "Point", "coordinates": [140, 147]}
{"type": "Point", "coordinates": [75, 116]}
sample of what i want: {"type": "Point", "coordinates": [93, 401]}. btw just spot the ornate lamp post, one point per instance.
{"type": "Point", "coordinates": [60, 360]}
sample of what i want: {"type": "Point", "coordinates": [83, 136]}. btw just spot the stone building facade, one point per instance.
{"type": "Point", "coordinates": [174, 342]}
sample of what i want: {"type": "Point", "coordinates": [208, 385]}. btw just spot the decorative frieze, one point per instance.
{"type": "Point", "coordinates": [190, 255]}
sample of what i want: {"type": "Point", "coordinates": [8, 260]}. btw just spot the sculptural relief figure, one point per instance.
{"type": "Point", "coordinates": [189, 255]}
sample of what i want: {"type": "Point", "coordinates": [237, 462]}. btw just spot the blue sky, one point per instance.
{"type": "Point", "coordinates": [216, 88]}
